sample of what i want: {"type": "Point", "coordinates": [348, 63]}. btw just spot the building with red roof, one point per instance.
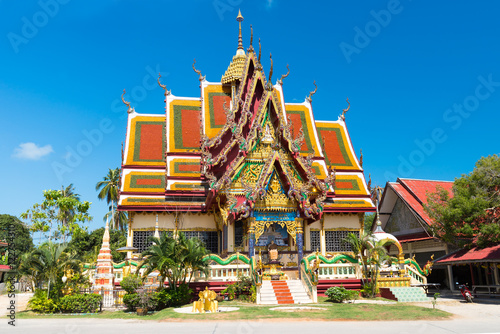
{"type": "Point", "coordinates": [403, 215]}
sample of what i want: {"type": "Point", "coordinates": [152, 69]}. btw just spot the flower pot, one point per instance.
{"type": "Point", "coordinates": [142, 311]}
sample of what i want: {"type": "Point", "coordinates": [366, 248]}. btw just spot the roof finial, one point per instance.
{"type": "Point", "coordinates": [198, 71]}
{"type": "Point", "coordinates": [260, 50]}
{"type": "Point", "coordinates": [239, 18]}
{"type": "Point", "coordinates": [309, 98]}
{"type": "Point", "coordinates": [270, 70]}
{"type": "Point", "coordinates": [361, 157]}
{"type": "Point", "coordinates": [280, 81]}
{"type": "Point", "coordinates": [345, 110]}
{"type": "Point", "coordinates": [164, 87]}
{"type": "Point", "coordinates": [130, 109]}
{"type": "Point", "coordinates": [250, 48]}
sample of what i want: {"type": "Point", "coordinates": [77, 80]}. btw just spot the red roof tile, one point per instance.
{"type": "Point", "coordinates": [4, 267]}
{"type": "Point", "coordinates": [488, 254]}
{"type": "Point", "coordinates": [414, 193]}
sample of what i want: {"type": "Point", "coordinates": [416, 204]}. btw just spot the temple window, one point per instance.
{"type": "Point", "coordinates": [141, 240]}
{"type": "Point", "coordinates": [238, 233]}
{"type": "Point", "coordinates": [335, 241]}
{"type": "Point", "coordinates": [315, 240]}
{"type": "Point", "coordinates": [209, 238]}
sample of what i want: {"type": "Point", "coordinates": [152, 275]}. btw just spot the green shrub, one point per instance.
{"type": "Point", "coordinates": [369, 291]}
{"type": "Point", "coordinates": [181, 296]}
{"type": "Point", "coordinates": [131, 283]}
{"type": "Point", "coordinates": [164, 299]}
{"type": "Point", "coordinates": [39, 303]}
{"type": "Point", "coordinates": [84, 303]}
{"type": "Point", "coordinates": [338, 294]}
{"type": "Point", "coordinates": [242, 289]}
{"type": "Point", "coordinates": [131, 300]}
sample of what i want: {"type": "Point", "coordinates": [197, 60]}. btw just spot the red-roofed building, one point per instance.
{"type": "Point", "coordinates": [402, 214]}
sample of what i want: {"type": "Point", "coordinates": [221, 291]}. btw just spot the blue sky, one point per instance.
{"type": "Point", "coordinates": [423, 78]}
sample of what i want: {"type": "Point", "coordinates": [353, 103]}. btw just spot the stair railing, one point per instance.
{"type": "Point", "coordinates": [309, 280]}
{"type": "Point", "coordinates": [416, 277]}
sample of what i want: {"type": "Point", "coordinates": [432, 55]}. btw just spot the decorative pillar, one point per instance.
{"type": "Point", "coordinates": [157, 233]}
{"type": "Point", "coordinates": [104, 277]}
{"type": "Point", "coordinates": [322, 236]}
{"type": "Point", "coordinates": [299, 236]}
{"type": "Point", "coordinates": [129, 234]}
{"type": "Point", "coordinates": [251, 237]}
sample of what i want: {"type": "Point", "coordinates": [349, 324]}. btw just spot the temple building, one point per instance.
{"type": "Point", "coordinates": [242, 169]}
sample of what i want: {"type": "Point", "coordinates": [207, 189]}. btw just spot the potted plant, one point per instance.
{"type": "Point", "coordinates": [146, 302]}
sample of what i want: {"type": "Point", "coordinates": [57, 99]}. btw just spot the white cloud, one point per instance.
{"type": "Point", "coordinates": [31, 151]}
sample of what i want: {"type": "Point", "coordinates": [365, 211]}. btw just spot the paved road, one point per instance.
{"type": "Point", "coordinates": [480, 317]}
{"type": "Point", "coordinates": [95, 326]}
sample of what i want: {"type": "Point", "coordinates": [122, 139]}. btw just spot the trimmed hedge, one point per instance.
{"type": "Point", "coordinates": [86, 303]}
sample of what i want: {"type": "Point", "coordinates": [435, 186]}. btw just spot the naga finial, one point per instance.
{"type": "Point", "coordinates": [361, 157]}
{"type": "Point", "coordinates": [164, 87]}
{"type": "Point", "coordinates": [269, 81]}
{"type": "Point", "coordinates": [369, 183]}
{"type": "Point", "coordinates": [198, 71]}
{"type": "Point", "coordinates": [260, 51]}
{"type": "Point", "coordinates": [130, 109]}
{"type": "Point", "coordinates": [345, 110]}
{"type": "Point", "coordinates": [309, 98]}
{"type": "Point", "coordinates": [280, 81]}
{"type": "Point", "coordinates": [250, 48]}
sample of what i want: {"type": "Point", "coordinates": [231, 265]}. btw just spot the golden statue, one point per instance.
{"type": "Point", "coordinates": [207, 302]}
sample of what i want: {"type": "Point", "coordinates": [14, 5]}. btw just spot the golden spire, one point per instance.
{"type": "Point", "coordinates": [239, 18]}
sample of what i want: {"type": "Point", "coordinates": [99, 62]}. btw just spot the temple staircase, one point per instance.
{"type": "Point", "coordinates": [283, 292]}
{"type": "Point", "coordinates": [404, 294]}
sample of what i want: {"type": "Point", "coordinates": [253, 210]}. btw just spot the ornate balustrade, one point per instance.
{"type": "Point", "coordinates": [338, 271]}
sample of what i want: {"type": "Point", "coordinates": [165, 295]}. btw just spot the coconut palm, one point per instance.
{"type": "Point", "coordinates": [176, 259]}
{"type": "Point", "coordinates": [108, 190]}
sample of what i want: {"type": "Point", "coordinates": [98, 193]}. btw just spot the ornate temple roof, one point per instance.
{"type": "Point", "coordinates": [187, 157]}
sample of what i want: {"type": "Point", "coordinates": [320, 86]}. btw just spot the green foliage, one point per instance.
{"type": "Point", "coordinates": [339, 294]}
{"type": "Point", "coordinates": [471, 217]}
{"type": "Point", "coordinates": [131, 301]}
{"type": "Point", "coordinates": [176, 259]}
{"type": "Point", "coordinates": [80, 303]}
{"type": "Point", "coordinates": [61, 208]}
{"type": "Point", "coordinates": [147, 300]}
{"type": "Point", "coordinates": [434, 301]}
{"type": "Point", "coordinates": [369, 290]}
{"type": "Point", "coordinates": [368, 222]}
{"type": "Point", "coordinates": [22, 242]}
{"type": "Point", "coordinates": [164, 299]}
{"type": "Point", "coordinates": [108, 190]}
{"type": "Point", "coordinates": [89, 244]}
{"type": "Point", "coordinates": [131, 283]}
{"type": "Point", "coordinates": [180, 296]}
{"type": "Point", "coordinates": [371, 254]}
{"type": "Point", "coordinates": [242, 289]}
{"type": "Point", "coordinates": [39, 303]}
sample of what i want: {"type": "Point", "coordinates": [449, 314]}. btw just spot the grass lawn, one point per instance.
{"type": "Point", "coordinates": [356, 311]}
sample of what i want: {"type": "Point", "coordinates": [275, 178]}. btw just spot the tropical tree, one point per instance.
{"type": "Point", "coordinates": [48, 262]}
{"type": "Point", "coordinates": [65, 212]}
{"type": "Point", "coordinates": [11, 226]}
{"type": "Point", "coordinates": [109, 189]}
{"type": "Point", "coordinates": [175, 258]}
{"type": "Point", "coordinates": [470, 216]}
{"type": "Point", "coordinates": [371, 253]}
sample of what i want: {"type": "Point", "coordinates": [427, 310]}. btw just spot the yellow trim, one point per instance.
{"type": "Point", "coordinates": [342, 203]}
{"type": "Point", "coordinates": [212, 88]}
{"type": "Point", "coordinates": [171, 167]}
{"type": "Point", "coordinates": [171, 132]}
{"type": "Point", "coordinates": [345, 139]}
{"type": "Point", "coordinates": [309, 124]}
{"type": "Point", "coordinates": [128, 177]}
{"type": "Point", "coordinates": [362, 189]}
{"type": "Point", "coordinates": [131, 140]}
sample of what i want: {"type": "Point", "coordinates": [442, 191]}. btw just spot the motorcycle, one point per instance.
{"type": "Point", "coordinates": [466, 293]}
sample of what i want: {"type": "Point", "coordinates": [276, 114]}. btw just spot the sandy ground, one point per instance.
{"type": "Point", "coordinates": [21, 302]}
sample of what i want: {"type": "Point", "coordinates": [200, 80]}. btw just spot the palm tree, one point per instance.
{"type": "Point", "coordinates": [176, 259]}
{"type": "Point", "coordinates": [66, 215]}
{"type": "Point", "coordinates": [51, 260]}
{"type": "Point", "coordinates": [109, 189]}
